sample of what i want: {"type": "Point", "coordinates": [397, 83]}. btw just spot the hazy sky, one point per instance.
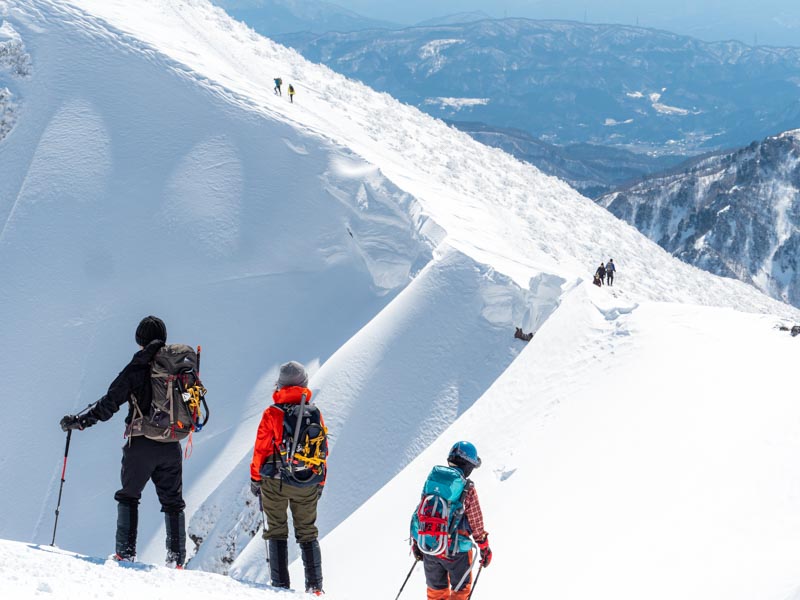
{"type": "Point", "coordinates": [774, 22]}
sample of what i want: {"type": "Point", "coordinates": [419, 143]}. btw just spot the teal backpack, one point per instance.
{"type": "Point", "coordinates": [434, 525]}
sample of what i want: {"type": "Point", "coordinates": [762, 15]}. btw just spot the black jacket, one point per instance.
{"type": "Point", "coordinates": [133, 379]}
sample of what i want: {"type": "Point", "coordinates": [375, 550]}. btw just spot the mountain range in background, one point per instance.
{"type": "Point", "coordinates": [736, 214]}
{"type": "Point", "coordinates": [591, 169]}
{"type": "Point", "coordinates": [394, 256]}
{"type": "Point", "coordinates": [605, 107]}
{"type": "Point", "coordinates": [271, 17]}
{"type": "Point", "coordinates": [570, 136]}
{"type": "Point", "coordinates": [567, 82]}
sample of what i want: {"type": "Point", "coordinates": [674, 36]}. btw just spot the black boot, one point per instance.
{"type": "Point", "coordinates": [176, 539]}
{"type": "Point", "coordinates": [279, 563]}
{"type": "Point", "coordinates": [127, 524]}
{"type": "Point", "coordinates": [312, 562]}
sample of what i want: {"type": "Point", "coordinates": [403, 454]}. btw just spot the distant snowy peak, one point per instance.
{"type": "Point", "coordinates": [735, 214]}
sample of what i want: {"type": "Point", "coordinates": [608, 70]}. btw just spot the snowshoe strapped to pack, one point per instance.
{"type": "Point", "coordinates": [178, 406]}
{"type": "Point", "coordinates": [434, 525]}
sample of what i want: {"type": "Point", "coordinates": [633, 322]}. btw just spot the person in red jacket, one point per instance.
{"type": "Point", "coordinates": [281, 488]}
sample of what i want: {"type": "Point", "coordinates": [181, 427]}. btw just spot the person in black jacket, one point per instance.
{"type": "Point", "coordinates": [601, 273]}
{"type": "Point", "coordinates": [611, 269]}
{"type": "Point", "coordinates": [142, 459]}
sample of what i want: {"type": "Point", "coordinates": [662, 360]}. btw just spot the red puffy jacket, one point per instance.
{"type": "Point", "coordinates": [270, 430]}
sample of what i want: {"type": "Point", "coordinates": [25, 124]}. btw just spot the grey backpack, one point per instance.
{"type": "Point", "coordinates": [178, 406]}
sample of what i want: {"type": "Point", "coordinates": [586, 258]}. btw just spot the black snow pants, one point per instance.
{"type": "Point", "coordinates": [445, 573]}
{"type": "Point", "coordinates": [144, 460]}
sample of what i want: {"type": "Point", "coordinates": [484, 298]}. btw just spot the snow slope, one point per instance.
{"type": "Point", "coordinates": [391, 253]}
{"type": "Point", "coordinates": [596, 481]}
{"type": "Point", "coordinates": [34, 571]}
{"type": "Point", "coordinates": [632, 450]}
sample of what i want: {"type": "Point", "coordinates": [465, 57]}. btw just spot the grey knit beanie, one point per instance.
{"type": "Point", "coordinates": [292, 373]}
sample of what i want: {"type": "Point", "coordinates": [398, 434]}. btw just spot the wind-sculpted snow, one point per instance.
{"type": "Point", "coordinates": [394, 387]}
{"type": "Point", "coordinates": [389, 252]}
{"type": "Point", "coordinates": [494, 208]}
{"type": "Point", "coordinates": [127, 190]}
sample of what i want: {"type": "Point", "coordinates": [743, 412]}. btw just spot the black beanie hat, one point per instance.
{"type": "Point", "coordinates": [149, 329]}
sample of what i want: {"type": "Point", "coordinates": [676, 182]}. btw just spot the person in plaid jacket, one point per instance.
{"type": "Point", "coordinates": [445, 572]}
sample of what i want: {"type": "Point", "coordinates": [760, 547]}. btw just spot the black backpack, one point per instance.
{"type": "Point", "coordinates": [304, 448]}
{"type": "Point", "coordinates": [178, 406]}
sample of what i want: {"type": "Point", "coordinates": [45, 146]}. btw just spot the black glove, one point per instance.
{"type": "Point", "coordinates": [320, 489]}
{"type": "Point", "coordinates": [75, 422]}
{"type": "Point", "coordinates": [255, 487]}
{"type": "Point", "coordinates": [416, 551]}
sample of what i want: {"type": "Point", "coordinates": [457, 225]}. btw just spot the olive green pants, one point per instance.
{"type": "Point", "coordinates": [277, 497]}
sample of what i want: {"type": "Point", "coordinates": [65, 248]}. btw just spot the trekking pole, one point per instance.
{"type": "Point", "coordinates": [63, 473]}
{"type": "Point", "coordinates": [416, 560]}
{"type": "Point", "coordinates": [61, 488]}
{"type": "Point", "coordinates": [475, 583]}
{"type": "Point", "coordinates": [264, 525]}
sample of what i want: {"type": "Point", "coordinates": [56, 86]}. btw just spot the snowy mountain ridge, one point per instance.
{"type": "Point", "coordinates": [735, 214]}
{"type": "Point", "coordinates": [454, 181]}
{"type": "Point", "coordinates": [391, 254]}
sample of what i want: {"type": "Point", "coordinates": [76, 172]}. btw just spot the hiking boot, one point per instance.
{"type": "Point", "coordinates": [122, 559]}
{"type": "Point", "coordinates": [312, 563]}
{"type": "Point", "coordinates": [279, 563]}
{"type": "Point", "coordinates": [127, 525]}
{"type": "Point", "coordinates": [173, 561]}
{"type": "Point", "coordinates": [176, 539]}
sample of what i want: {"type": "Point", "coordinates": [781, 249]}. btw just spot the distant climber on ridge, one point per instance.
{"type": "Point", "coordinates": [610, 270]}
{"type": "Point", "coordinates": [277, 88]}
{"type": "Point", "coordinates": [601, 273]}
{"type": "Point", "coordinates": [291, 93]}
